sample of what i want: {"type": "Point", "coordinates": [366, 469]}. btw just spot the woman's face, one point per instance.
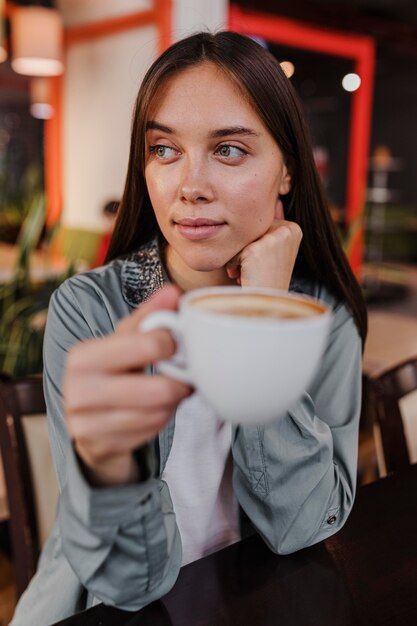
{"type": "Point", "coordinates": [213, 173]}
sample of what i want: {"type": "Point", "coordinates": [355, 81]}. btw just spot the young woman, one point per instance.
{"type": "Point", "coordinates": [221, 188]}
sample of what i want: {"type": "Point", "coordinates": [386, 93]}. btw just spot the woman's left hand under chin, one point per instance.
{"type": "Point", "coordinates": [269, 261]}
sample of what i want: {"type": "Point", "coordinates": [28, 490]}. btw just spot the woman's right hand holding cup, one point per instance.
{"type": "Point", "coordinates": [112, 406]}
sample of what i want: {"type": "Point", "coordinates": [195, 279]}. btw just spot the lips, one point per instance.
{"type": "Point", "coordinates": [198, 221]}
{"type": "Point", "coordinates": [196, 228]}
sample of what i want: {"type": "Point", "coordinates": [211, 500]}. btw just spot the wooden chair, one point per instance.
{"type": "Point", "coordinates": [392, 404]}
{"type": "Point", "coordinates": [29, 473]}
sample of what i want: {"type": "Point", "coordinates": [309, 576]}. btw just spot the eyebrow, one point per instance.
{"type": "Point", "coordinates": [233, 130]}
{"type": "Point", "coordinates": [152, 125]}
{"type": "Point", "coordinates": [221, 132]}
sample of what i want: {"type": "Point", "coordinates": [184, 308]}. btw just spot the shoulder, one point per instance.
{"type": "Point", "coordinates": [116, 288]}
{"type": "Point", "coordinates": [95, 283]}
{"type": "Point", "coordinates": [87, 293]}
{"type": "Point", "coordinates": [88, 304]}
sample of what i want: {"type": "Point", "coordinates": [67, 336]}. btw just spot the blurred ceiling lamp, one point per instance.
{"type": "Point", "coordinates": [288, 68]}
{"type": "Point", "coordinates": [40, 98]}
{"type": "Point", "coordinates": [37, 41]}
{"type": "Point", "coordinates": [3, 51]}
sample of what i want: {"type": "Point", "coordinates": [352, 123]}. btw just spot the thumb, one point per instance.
{"type": "Point", "coordinates": [165, 298]}
{"type": "Point", "coordinates": [279, 210]}
{"type": "Point", "coordinates": [233, 267]}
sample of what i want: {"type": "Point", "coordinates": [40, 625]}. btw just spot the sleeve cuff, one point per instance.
{"type": "Point", "coordinates": [100, 506]}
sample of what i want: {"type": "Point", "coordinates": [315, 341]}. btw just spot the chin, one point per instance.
{"type": "Point", "coordinates": [206, 263]}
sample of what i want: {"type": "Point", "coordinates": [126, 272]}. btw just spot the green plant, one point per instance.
{"type": "Point", "coordinates": [16, 199]}
{"type": "Point", "coordinates": [24, 302]}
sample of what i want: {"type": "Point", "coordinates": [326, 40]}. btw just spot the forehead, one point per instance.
{"type": "Point", "coordinates": [203, 93]}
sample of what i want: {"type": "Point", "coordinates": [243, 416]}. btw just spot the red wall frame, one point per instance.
{"type": "Point", "coordinates": [361, 50]}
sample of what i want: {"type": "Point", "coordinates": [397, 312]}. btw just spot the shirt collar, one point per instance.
{"type": "Point", "coordinates": [142, 274]}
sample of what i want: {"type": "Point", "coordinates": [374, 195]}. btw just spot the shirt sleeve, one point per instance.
{"type": "Point", "coordinates": [296, 478]}
{"type": "Point", "coordinates": [122, 542]}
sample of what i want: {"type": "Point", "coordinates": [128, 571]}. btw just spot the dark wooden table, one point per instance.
{"type": "Point", "coordinates": [364, 575]}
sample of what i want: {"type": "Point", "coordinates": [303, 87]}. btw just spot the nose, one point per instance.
{"type": "Point", "coordinates": [195, 186]}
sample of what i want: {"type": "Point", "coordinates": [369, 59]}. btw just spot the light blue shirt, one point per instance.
{"type": "Point", "coordinates": [294, 479]}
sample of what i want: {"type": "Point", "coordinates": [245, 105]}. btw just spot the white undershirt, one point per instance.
{"type": "Point", "coordinates": [199, 476]}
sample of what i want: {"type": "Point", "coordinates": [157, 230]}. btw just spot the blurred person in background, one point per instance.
{"type": "Point", "coordinates": [110, 214]}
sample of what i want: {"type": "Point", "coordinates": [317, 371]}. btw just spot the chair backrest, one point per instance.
{"type": "Point", "coordinates": [393, 406]}
{"type": "Point", "coordinates": [28, 469]}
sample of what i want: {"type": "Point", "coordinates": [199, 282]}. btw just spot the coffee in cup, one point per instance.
{"type": "Point", "coordinates": [263, 305]}
{"type": "Point", "coordinates": [249, 352]}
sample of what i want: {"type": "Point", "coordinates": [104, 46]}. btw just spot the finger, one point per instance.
{"type": "Point", "coordinates": [120, 431]}
{"type": "Point", "coordinates": [233, 267]}
{"type": "Point", "coordinates": [117, 352]}
{"type": "Point", "coordinates": [96, 451]}
{"type": "Point", "coordinates": [127, 391]}
{"type": "Point", "coordinates": [289, 231]}
{"type": "Point", "coordinates": [165, 298]}
{"type": "Point", "coordinates": [285, 230]}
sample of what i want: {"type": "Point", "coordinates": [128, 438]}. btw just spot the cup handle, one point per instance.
{"type": "Point", "coordinates": [174, 367]}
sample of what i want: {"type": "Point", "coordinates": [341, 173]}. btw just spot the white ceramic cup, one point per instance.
{"type": "Point", "coordinates": [249, 352]}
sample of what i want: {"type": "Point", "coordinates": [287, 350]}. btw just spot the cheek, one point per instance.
{"type": "Point", "coordinates": [156, 190]}
{"type": "Point", "coordinates": [254, 199]}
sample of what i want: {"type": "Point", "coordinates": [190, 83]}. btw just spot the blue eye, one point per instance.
{"type": "Point", "coordinates": [162, 152]}
{"type": "Point", "coordinates": [228, 151]}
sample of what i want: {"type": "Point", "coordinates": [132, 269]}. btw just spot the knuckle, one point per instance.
{"type": "Point", "coordinates": [289, 232]}
{"type": "Point", "coordinates": [256, 251]}
{"type": "Point", "coordinates": [165, 343]}
{"type": "Point", "coordinates": [70, 396]}
{"type": "Point", "coordinates": [80, 390]}
{"type": "Point", "coordinates": [164, 391]}
{"type": "Point", "coordinates": [285, 232]}
{"type": "Point", "coordinates": [169, 392]}
{"type": "Point", "coordinates": [75, 356]}
{"type": "Point", "coordinates": [297, 230]}
{"type": "Point", "coordinates": [148, 347]}
{"type": "Point", "coordinates": [78, 427]}
{"type": "Point", "coordinates": [156, 345]}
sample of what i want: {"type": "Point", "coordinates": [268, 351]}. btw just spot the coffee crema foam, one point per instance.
{"type": "Point", "coordinates": [258, 305]}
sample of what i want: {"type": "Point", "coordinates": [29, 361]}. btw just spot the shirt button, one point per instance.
{"type": "Point", "coordinates": [331, 519]}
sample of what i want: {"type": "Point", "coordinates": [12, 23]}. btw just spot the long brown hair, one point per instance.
{"type": "Point", "coordinates": [259, 75]}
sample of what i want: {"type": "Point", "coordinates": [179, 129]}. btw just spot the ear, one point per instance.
{"type": "Point", "coordinates": [285, 184]}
